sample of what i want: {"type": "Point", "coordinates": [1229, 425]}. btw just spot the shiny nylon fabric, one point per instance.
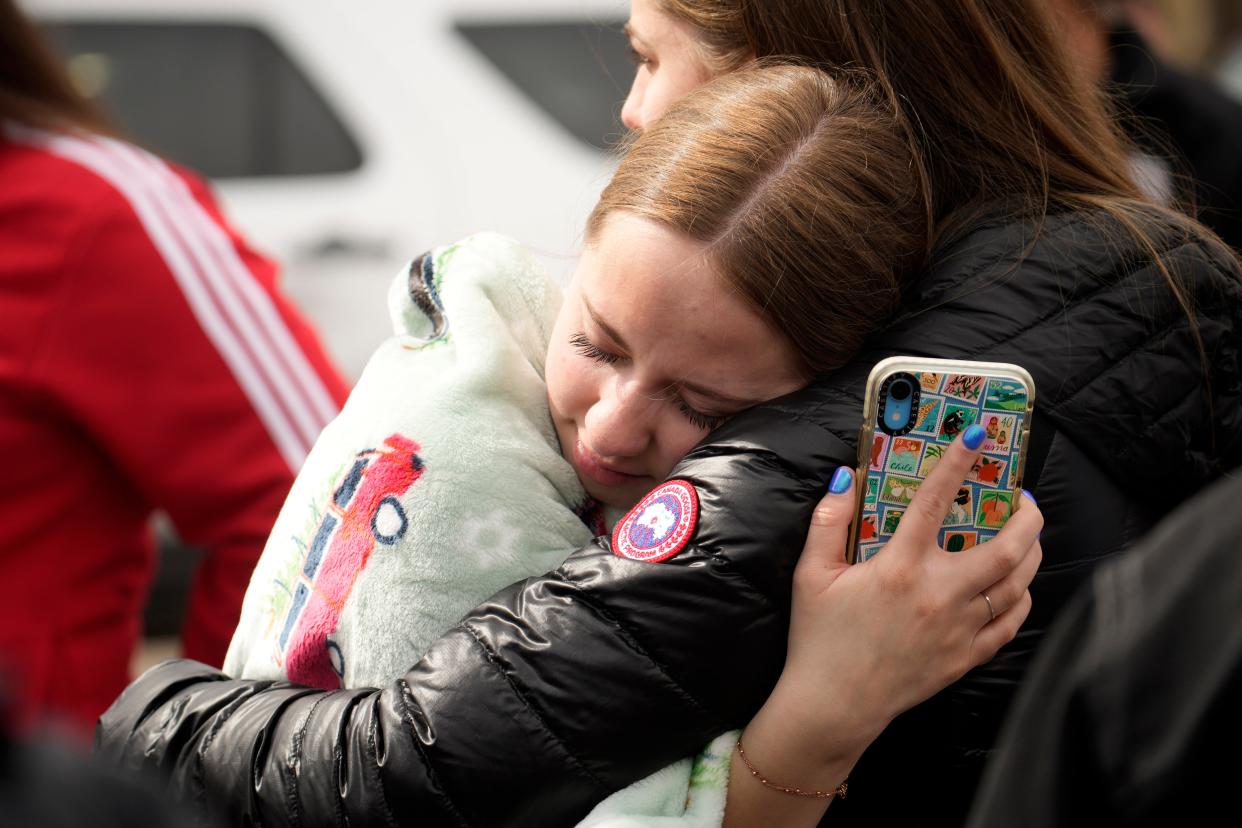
{"type": "Point", "coordinates": [552, 694]}
{"type": "Point", "coordinates": [1128, 435]}
{"type": "Point", "coordinates": [564, 688]}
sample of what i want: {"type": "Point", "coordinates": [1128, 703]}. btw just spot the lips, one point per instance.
{"type": "Point", "coordinates": [592, 467]}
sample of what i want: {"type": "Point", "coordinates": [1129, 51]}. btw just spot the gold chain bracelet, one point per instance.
{"type": "Point", "coordinates": [840, 790]}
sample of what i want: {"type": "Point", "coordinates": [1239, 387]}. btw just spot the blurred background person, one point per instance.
{"type": "Point", "coordinates": [147, 361]}
{"type": "Point", "coordinates": [1185, 125]}
{"type": "Point", "coordinates": [1202, 37]}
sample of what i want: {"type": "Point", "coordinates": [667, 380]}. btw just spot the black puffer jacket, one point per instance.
{"type": "Point", "coordinates": [564, 688]}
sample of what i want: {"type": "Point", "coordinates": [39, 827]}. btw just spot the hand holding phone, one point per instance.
{"type": "Point", "coordinates": [914, 408]}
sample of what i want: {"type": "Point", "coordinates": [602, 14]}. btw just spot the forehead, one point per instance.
{"type": "Point", "coordinates": [647, 20]}
{"type": "Point", "coordinates": [677, 315]}
{"type": "Point", "coordinates": [654, 26]}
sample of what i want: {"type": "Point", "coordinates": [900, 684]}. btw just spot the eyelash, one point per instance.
{"type": "Point", "coordinates": [707, 422]}
{"type": "Point", "coordinates": [637, 58]}
{"type": "Point", "coordinates": [591, 351]}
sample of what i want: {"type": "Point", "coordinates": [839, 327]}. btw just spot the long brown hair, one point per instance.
{"type": "Point", "coordinates": [801, 185]}
{"type": "Point", "coordinates": [995, 115]}
{"type": "Point", "coordinates": [35, 89]}
{"type": "Point", "coordinates": [986, 91]}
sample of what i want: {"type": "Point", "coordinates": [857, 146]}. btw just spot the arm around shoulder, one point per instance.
{"type": "Point", "coordinates": [594, 675]}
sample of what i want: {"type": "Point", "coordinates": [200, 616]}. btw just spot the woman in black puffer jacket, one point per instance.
{"type": "Point", "coordinates": [1047, 257]}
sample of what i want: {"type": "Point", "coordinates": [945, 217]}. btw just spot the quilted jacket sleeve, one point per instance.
{"type": "Point", "coordinates": [545, 699]}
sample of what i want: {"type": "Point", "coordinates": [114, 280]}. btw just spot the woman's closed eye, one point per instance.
{"type": "Point", "coordinates": [593, 352]}
{"type": "Point", "coordinates": [707, 422]}
{"type": "Point", "coordinates": [638, 58]}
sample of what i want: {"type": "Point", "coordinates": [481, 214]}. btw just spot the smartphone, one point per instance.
{"type": "Point", "coordinates": [914, 408]}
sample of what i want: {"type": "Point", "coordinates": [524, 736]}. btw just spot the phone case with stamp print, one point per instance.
{"type": "Point", "coordinates": [948, 396]}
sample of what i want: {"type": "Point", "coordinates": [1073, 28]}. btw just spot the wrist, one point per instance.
{"type": "Point", "coordinates": [814, 793]}
{"type": "Point", "coordinates": [809, 741]}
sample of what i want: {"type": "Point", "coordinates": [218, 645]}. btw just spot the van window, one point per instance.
{"type": "Point", "coordinates": [221, 98]}
{"type": "Point", "coordinates": [578, 72]}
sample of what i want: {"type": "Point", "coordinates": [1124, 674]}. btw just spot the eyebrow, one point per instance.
{"type": "Point", "coordinates": [716, 395]}
{"type": "Point", "coordinates": [693, 388]}
{"type": "Point", "coordinates": [604, 326]}
{"type": "Point", "coordinates": [628, 28]}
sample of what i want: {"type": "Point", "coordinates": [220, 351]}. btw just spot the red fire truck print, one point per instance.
{"type": "Point", "coordinates": [365, 512]}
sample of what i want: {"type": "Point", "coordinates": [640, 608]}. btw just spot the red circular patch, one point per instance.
{"type": "Point", "coordinates": [660, 525]}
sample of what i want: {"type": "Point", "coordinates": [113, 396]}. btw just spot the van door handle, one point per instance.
{"type": "Point", "coordinates": [329, 247]}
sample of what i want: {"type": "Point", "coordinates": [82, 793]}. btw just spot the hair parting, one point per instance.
{"type": "Point", "coordinates": [800, 185]}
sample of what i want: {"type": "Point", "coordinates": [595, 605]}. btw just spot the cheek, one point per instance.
{"type": "Point", "coordinates": [672, 84]}
{"type": "Point", "coordinates": [677, 436]}
{"type": "Point", "coordinates": [560, 364]}
{"type": "Point", "coordinates": [570, 388]}
{"type": "Point", "coordinates": [661, 94]}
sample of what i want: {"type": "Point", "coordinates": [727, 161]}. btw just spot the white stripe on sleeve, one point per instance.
{"type": "Point", "coordinates": [188, 223]}
{"type": "Point", "coordinates": [254, 302]}
{"type": "Point", "coordinates": [203, 287]}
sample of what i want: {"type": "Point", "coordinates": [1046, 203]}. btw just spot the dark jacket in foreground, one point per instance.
{"type": "Point", "coordinates": [564, 688]}
{"type": "Point", "coordinates": [46, 783]}
{"type": "Point", "coordinates": [1130, 715]}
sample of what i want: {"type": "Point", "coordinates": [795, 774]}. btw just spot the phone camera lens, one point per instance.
{"type": "Point", "coordinates": [900, 390]}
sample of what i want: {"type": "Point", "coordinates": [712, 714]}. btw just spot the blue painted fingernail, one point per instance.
{"type": "Point", "coordinates": [841, 480]}
{"type": "Point", "coordinates": [1031, 498]}
{"type": "Point", "coordinates": [973, 436]}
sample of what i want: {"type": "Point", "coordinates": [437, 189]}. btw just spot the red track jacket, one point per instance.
{"type": "Point", "coordinates": [147, 360]}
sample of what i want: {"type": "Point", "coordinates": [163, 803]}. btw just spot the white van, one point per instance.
{"type": "Point", "coordinates": [347, 137]}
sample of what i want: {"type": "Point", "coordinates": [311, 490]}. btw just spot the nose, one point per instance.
{"type": "Point", "coordinates": [630, 113]}
{"type": "Point", "coordinates": [621, 423]}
